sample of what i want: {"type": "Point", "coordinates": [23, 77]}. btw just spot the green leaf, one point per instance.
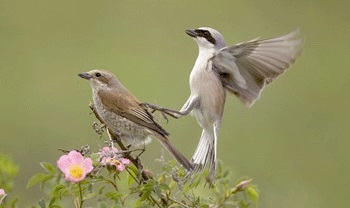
{"type": "Point", "coordinates": [131, 179]}
{"type": "Point", "coordinates": [89, 195]}
{"type": "Point", "coordinates": [253, 194]}
{"type": "Point", "coordinates": [89, 187]}
{"type": "Point", "coordinates": [157, 190]}
{"type": "Point", "coordinates": [13, 203]}
{"type": "Point", "coordinates": [48, 167]}
{"type": "Point", "coordinates": [42, 203]}
{"type": "Point", "coordinates": [113, 195]}
{"type": "Point", "coordinates": [45, 179]}
{"type": "Point", "coordinates": [60, 190]}
{"type": "Point", "coordinates": [164, 186]}
{"type": "Point", "coordinates": [145, 195]}
{"type": "Point", "coordinates": [95, 157]}
{"type": "Point", "coordinates": [52, 201]}
{"type": "Point", "coordinates": [36, 179]}
{"type": "Point", "coordinates": [172, 185]}
{"type": "Point", "coordinates": [133, 170]}
{"type": "Point", "coordinates": [226, 173]}
{"type": "Point", "coordinates": [100, 190]}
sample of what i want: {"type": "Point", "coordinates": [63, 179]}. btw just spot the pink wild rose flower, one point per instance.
{"type": "Point", "coordinates": [110, 156]}
{"type": "Point", "coordinates": [74, 166]}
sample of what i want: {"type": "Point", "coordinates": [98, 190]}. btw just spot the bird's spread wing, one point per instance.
{"type": "Point", "coordinates": [245, 68]}
{"type": "Point", "coordinates": [127, 106]}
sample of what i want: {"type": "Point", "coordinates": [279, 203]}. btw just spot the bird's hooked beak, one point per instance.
{"type": "Point", "coordinates": [85, 75]}
{"type": "Point", "coordinates": [191, 32]}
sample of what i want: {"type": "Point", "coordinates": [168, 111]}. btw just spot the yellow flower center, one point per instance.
{"type": "Point", "coordinates": [76, 171]}
{"type": "Point", "coordinates": [112, 161]}
{"type": "Point", "coordinates": [116, 162]}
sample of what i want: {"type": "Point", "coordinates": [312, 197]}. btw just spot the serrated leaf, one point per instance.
{"type": "Point", "coordinates": [59, 191]}
{"type": "Point", "coordinates": [162, 179]}
{"type": "Point", "coordinates": [145, 195]}
{"type": "Point", "coordinates": [36, 179]}
{"type": "Point", "coordinates": [52, 201]}
{"type": "Point", "coordinates": [48, 167]}
{"type": "Point", "coordinates": [113, 195]}
{"type": "Point", "coordinates": [252, 193]}
{"type": "Point", "coordinates": [89, 195]}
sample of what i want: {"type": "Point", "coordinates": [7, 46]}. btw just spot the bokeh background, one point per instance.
{"type": "Point", "coordinates": [294, 141]}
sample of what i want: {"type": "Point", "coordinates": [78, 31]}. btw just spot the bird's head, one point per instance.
{"type": "Point", "coordinates": [207, 38]}
{"type": "Point", "coordinates": [100, 79]}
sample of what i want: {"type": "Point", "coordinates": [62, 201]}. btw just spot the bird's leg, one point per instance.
{"type": "Point", "coordinates": [190, 104]}
{"type": "Point", "coordinates": [162, 110]}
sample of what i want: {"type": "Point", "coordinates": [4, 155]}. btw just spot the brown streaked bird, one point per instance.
{"type": "Point", "coordinates": [124, 116]}
{"type": "Point", "coordinates": [243, 69]}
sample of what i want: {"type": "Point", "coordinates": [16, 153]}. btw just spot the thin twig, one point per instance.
{"type": "Point", "coordinates": [179, 203]}
{"type": "Point", "coordinates": [136, 161]}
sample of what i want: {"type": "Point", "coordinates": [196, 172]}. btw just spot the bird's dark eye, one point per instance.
{"type": "Point", "coordinates": [98, 74]}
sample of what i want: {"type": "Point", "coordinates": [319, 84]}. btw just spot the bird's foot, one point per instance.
{"type": "Point", "coordinates": [162, 110]}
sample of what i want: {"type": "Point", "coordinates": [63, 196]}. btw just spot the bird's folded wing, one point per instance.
{"type": "Point", "coordinates": [245, 68]}
{"type": "Point", "coordinates": [119, 103]}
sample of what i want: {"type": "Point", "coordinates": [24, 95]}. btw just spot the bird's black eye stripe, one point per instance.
{"type": "Point", "coordinates": [206, 34]}
{"type": "Point", "coordinates": [98, 74]}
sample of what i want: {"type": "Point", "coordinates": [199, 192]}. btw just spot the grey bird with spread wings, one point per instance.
{"type": "Point", "coordinates": [123, 114]}
{"type": "Point", "coordinates": [243, 69]}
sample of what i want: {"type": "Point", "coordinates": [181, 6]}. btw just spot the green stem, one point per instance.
{"type": "Point", "coordinates": [80, 195]}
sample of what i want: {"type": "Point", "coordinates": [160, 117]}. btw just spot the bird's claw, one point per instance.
{"type": "Point", "coordinates": [164, 111]}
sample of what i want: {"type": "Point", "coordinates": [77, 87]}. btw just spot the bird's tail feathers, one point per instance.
{"type": "Point", "coordinates": [205, 153]}
{"type": "Point", "coordinates": [174, 152]}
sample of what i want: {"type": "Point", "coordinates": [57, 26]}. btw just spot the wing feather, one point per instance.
{"type": "Point", "coordinates": [245, 68]}
{"type": "Point", "coordinates": [127, 106]}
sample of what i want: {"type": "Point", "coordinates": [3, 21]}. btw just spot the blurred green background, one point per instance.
{"type": "Point", "coordinates": [294, 141]}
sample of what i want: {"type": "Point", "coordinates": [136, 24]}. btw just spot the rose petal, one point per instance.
{"type": "Point", "coordinates": [87, 165]}
{"type": "Point", "coordinates": [105, 150]}
{"type": "Point", "coordinates": [75, 157]}
{"type": "Point", "coordinates": [120, 167]}
{"type": "Point", "coordinates": [125, 161]}
{"type": "Point", "coordinates": [63, 162]}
